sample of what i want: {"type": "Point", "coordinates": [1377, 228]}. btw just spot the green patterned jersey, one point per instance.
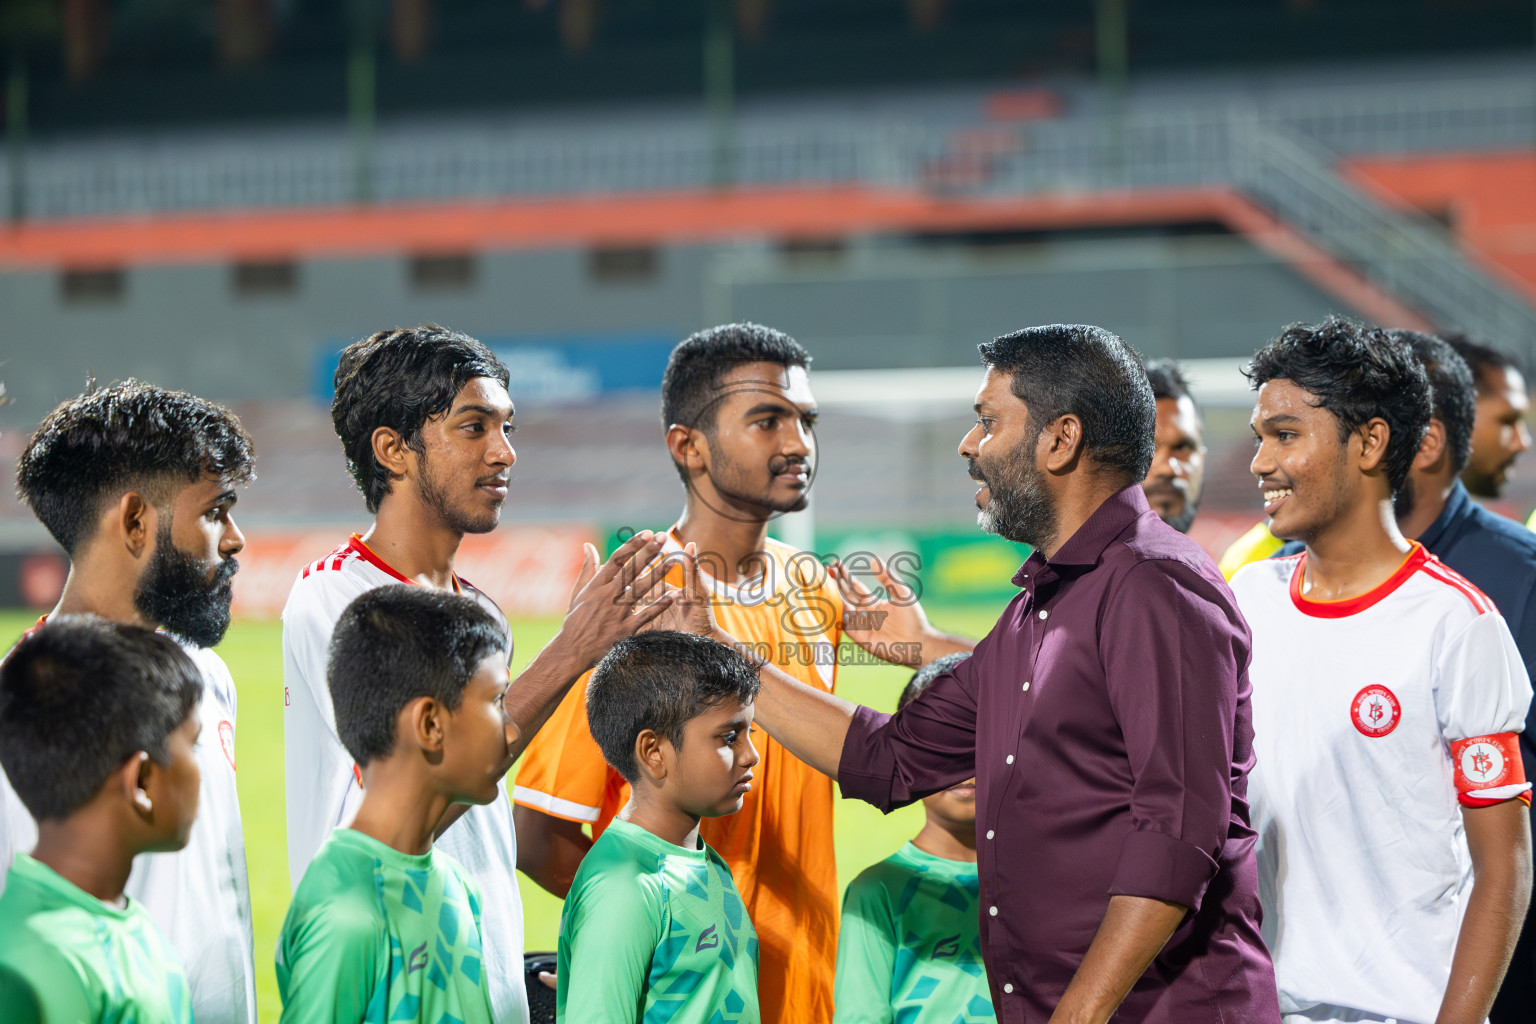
{"type": "Point", "coordinates": [378, 936]}
{"type": "Point", "coordinates": [65, 956]}
{"type": "Point", "coordinates": [909, 951]}
{"type": "Point", "coordinates": [655, 934]}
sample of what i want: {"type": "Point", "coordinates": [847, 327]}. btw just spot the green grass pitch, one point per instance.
{"type": "Point", "coordinates": [253, 652]}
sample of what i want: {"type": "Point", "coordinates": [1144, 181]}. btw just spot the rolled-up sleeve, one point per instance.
{"type": "Point", "coordinates": [1173, 664]}
{"type": "Point", "coordinates": [930, 745]}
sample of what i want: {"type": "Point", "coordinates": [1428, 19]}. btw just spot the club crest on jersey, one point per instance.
{"type": "Point", "coordinates": [709, 939]}
{"type": "Point", "coordinates": [1482, 762]}
{"type": "Point", "coordinates": [227, 741]}
{"type": "Point", "coordinates": [1375, 711]}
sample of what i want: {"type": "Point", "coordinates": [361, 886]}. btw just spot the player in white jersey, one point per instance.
{"type": "Point", "coordinates": [138, 483]}
{"type": "Point", "coordinates": [1388, 696]}
{"type": "Point", "coordinates": [424, 418]}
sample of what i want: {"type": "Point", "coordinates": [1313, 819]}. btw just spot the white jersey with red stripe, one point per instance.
{"type": "Point", "coordinates": [1376, 719]}
{"type": "Point", "coordinates": [198, 896]}
{"type": "Point", "coordinates": [324, 789]}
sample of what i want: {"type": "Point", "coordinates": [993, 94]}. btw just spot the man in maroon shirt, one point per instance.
{"type": "Point", "coordinates": [1105, 717]}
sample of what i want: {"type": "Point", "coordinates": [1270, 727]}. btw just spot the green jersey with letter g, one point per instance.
{"type": "Point", "coordinates": [653, 933]}
{"type": "Point", "coordinates": [65, 956]}
{"type": "Point", "coordinates": [910, 947]}
{"type": "Point", "coordinates": [379, 936]}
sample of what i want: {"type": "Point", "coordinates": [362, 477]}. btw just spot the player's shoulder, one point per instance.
{"type": "Point", "coordinates": [1265, 575]}
{"type": "Point", "coordinates": [327, 585]}
{"type": "Point", "coordinates": [801, 569]}
{"type": "Point", "coordinates": [618, 871]}
{"type": "Point", "coordinates": [338, 891]}
{"type": "Point", "coordinates": [882, 878]}
{"type": "Point", "coordinates": [485, 600]}
{"type": "Point", "coordinates": [1449, 591]}
{"type": "Point", "coordinates": [218, 681]}
{"type": "Point", "coordinates": [1503, 535]}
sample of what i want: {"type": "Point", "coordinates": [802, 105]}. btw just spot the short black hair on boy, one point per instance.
{"type": "Point", "coordinates": [395, 644]}
{"type": "Point", "coordinates": [127, 436]}
{"type": "Point", "coordinates": [1483, 359]}
{"type": "Point", "coordinates": [81, 695]}
{"type": "Point", "coordinates": [400, 379]}
{"type": "Point", "coordinates": [1357, 373]}
{"type": "Point", "coordinates": [924, 677]}
{"type": "Point", "coordinates": [1088, 372]}
{"type": "Point", "coordinates": [661, 680]}
{"type": "Point", "coordinates": [1452, 391]}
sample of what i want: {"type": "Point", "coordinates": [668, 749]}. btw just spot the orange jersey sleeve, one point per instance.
{"type": "Point", "coordinates": [562, 771]}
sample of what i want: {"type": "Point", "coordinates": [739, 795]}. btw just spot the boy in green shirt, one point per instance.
{"type": "Point", "coordinates": [383, 928]}
{"type": "Point", "coordinates": [97, 724]}
{"type": "Point", "coordinates": [653, 928]}
{"type": "Point", "coordinates": [909, 950]}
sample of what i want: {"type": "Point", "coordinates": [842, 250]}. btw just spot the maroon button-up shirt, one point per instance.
{"type": "Point", "coordinates": [1106, 720]}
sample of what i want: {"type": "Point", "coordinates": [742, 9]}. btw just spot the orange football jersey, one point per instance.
{"type": "Point", "coordinates": [779, 845]}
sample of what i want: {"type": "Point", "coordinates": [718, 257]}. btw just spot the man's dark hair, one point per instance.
{"type": "Point", "coordinates": [924, 677]}
{"type": "Point", "coordinates": [1483, 359]}
{"type": "Point", "coordinates": [690, 387]}
{"type": "Point", "coordinates": [395, 644]}
{"type": "Point", "coordinates": [660, 681]}
{"type": "Point", "coordinates": [129, 436]}
{"type": "Point", "coordinates": [1357, 373]}
{"type": "Point", "coordinates": [1452, 391]}
{"type": "Point", "coordinates": [1168, 381]}
{"type": "Point", "coordinates": [81, 695]}
{"type": "Point", "coordinates": [400, 379]}
{"type": "Point", "coordinates": [1090, 373]}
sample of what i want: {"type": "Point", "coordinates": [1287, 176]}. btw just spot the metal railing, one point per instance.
{"type": "Point", "coordinates": [1279, 154]}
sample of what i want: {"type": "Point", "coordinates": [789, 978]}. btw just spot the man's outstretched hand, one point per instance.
{"type": "Point", "coordinates": [894, 628]}
{"type": "Point", "coordinates": [612, 600]}
{"type": "Point", "coordinates": [690, 611]}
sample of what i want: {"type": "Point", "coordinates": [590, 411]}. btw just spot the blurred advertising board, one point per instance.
{"type": "Point", "coordinates": [527, 569]}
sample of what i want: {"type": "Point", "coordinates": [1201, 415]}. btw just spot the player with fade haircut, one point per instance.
{"type": "Point", "coordinates": [653, 927]}
{"type": "Point", "coordinates": [75, 944]}
{"type": "Point", "coordinates": [383, 926]}
{"type": "Point", "coordinates": [1389, 797]}
{"type": "Point", "coordinates": [739, 417]}
{"type": "Point", "coordinates": [425, 420]}
{"type": "Point", "coordinates": [138, 484]}
{"type": "Point", "coordinates": [910, 945]}
{"type": "Point", "coordinates": [1177, 477]}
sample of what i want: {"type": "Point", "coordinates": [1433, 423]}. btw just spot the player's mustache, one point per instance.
{"type": "Point", "coordinates": [227, 568]}
{"type": "Point", "coordinates": [780, 463]}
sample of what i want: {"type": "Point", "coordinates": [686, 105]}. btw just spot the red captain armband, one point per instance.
{"type": "Point", "coordinates": [1489, 771]}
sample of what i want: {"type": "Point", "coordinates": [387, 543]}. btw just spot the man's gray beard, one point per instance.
{"type": "Point", "coordinates": [1021, 511]}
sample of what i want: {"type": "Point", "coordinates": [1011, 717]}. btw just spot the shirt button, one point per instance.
{"type": "Point", "coordinates": [1008, 987]}
{"type": "Point", "coordinates": [1010, 759]}
{"type": "Point", "coordinates": [992, 911]}
{"type": "Point", "coordinates": [1026, 686]}
{"type": "Point", "coordinates": [989, 833]}
{"type": "Point", "coordinates": [1043, 613]}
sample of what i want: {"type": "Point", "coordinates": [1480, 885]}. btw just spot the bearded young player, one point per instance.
{"type": "Point", "coordinates": [138, 485]}
{"type": "Point", "coordinates": [1177, 477]}
{"type": "Point", "coordinates": [1499, 434]}
{"type": "Point", "coordinates": [739, 413]}
{"type": "Point", "coordinates": [1388, 695]}
{"type": "Point", "coordinates": [424, 418]}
